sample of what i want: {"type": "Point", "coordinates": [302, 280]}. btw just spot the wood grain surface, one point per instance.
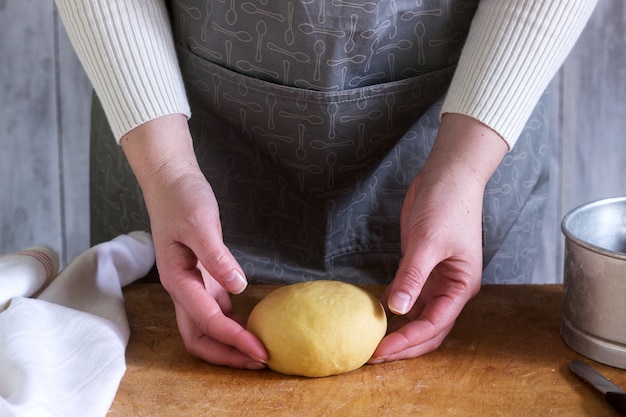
{"type": "Point", "coordinates": [504, 357]}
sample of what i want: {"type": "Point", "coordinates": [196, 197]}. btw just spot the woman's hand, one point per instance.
{"type": "Point", "coordinates": [195, 266]}
{"type": "Point", "coordinates": [441, 235]}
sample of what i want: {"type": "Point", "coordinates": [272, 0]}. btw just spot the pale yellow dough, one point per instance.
{"type": "Point", "coordinates": [318, 328]}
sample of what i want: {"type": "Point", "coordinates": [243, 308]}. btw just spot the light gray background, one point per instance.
{"type": "Point", "coordinates": [44, 125]}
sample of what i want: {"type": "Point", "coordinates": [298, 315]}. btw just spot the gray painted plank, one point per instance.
{"type": "Point", "coordinates": [74, 96]}
{"type": "Point", "coordinates": [589, 155]}
{"type": "Point", "coordinates": [594, 110]}
{"type": "Point", "coordinates": [29, 157]}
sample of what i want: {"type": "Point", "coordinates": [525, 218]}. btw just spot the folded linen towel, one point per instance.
{"type": "Point", "coordinates": [62, 353]}
{"type": "Point", "coordinates": [25, 272]}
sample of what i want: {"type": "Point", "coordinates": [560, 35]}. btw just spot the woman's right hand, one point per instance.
{"type": "Point", "coordinates": [195, 266]}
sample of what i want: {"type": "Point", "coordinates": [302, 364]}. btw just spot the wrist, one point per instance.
{"type": "Point", "coordinates": [160, 152]}
{"type": "Point", "coordinates": [465, 147]}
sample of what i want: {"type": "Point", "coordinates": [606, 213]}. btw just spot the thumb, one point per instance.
{"type": "Point", "coordinates": [220, 263]}
{"type": "Point", "coordinates": [413, 271]}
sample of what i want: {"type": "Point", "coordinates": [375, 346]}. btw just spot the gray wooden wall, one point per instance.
{"type": "Point", "coordinates": [44, 124]}
{"type": "Point", "coordinates": [44, 109]}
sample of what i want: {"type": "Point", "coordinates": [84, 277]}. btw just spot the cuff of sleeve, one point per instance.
{"type": "Point", "coordinates": [127, 50]}
{"type": "Point", "coordinates": [122, 123]}
{"type": "Point", "coordinates": [513, 51]}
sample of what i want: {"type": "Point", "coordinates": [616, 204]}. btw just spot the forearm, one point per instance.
{"type": "Point", "coordinates": [513, 50]}
{"type": "Point", "coordinates": [127, 50]}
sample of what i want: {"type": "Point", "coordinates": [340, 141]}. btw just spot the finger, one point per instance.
{"type": "Point", "coordinates": [396, 345]}
{"type": "Point", "coordinates": [197, 328]}
{"type": "Point", "coordinates": [216, 290]}
{"type": "Point", "coordinates": [211, 321]}
{"type": "Point", "coordinates": [218, 261]}
{"type": "Point", "coordinates": [413, 271]}
{"type": "Point", "coordinates": [212, 350]}
{"type": "Point", "coordinates": [427, 331]}
{"type": "Point", "coordinates": [190, 294]}
{"type": "Point", "coordinates": [395, 321]}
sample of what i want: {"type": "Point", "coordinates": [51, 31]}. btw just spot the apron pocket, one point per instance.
{"type": "Point", "coordinates": [319, 139]}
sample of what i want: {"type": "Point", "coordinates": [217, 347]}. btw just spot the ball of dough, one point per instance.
{"type": "Point", "coordinates": [318, 328]}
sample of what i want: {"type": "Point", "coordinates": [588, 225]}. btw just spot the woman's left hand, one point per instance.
{"type": "Point", "coordinates": [441, 235]}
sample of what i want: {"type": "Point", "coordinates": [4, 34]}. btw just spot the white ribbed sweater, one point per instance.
{"type": "Point", "coordinates": [513, 50]}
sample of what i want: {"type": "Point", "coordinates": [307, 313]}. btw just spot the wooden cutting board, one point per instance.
{"type": "Point", "coordinates": [504, 357]}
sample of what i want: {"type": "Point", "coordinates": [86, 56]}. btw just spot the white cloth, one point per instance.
{"type": "Point", "coordinates": [62, 353]}
{"type": "Point", "coordinates": [25, 272]}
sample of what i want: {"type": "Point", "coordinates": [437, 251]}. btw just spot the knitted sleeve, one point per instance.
{"type": "Point", "coordinates": [514, 49]}
{"type": "Point", "coordinates": [127, 50]}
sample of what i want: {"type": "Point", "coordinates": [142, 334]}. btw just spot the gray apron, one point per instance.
{"type": "Point", "coordinates": [310, 119]}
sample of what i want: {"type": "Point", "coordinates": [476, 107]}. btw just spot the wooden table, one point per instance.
{"type": "Point", "coordinates": [504, 357]}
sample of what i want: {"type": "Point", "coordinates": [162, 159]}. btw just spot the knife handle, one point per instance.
{"type": "Point", "coordinates": [617, 400]}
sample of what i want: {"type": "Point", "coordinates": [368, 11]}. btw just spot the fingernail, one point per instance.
{"type": "Point", "coordinates": [254, 366]}
{"type": "Point", "coordinates": [236, 282]}
{"type": "Point", "coordinates": [259, 360]}
{"type": "Point", "coordinates": [400, 302]}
